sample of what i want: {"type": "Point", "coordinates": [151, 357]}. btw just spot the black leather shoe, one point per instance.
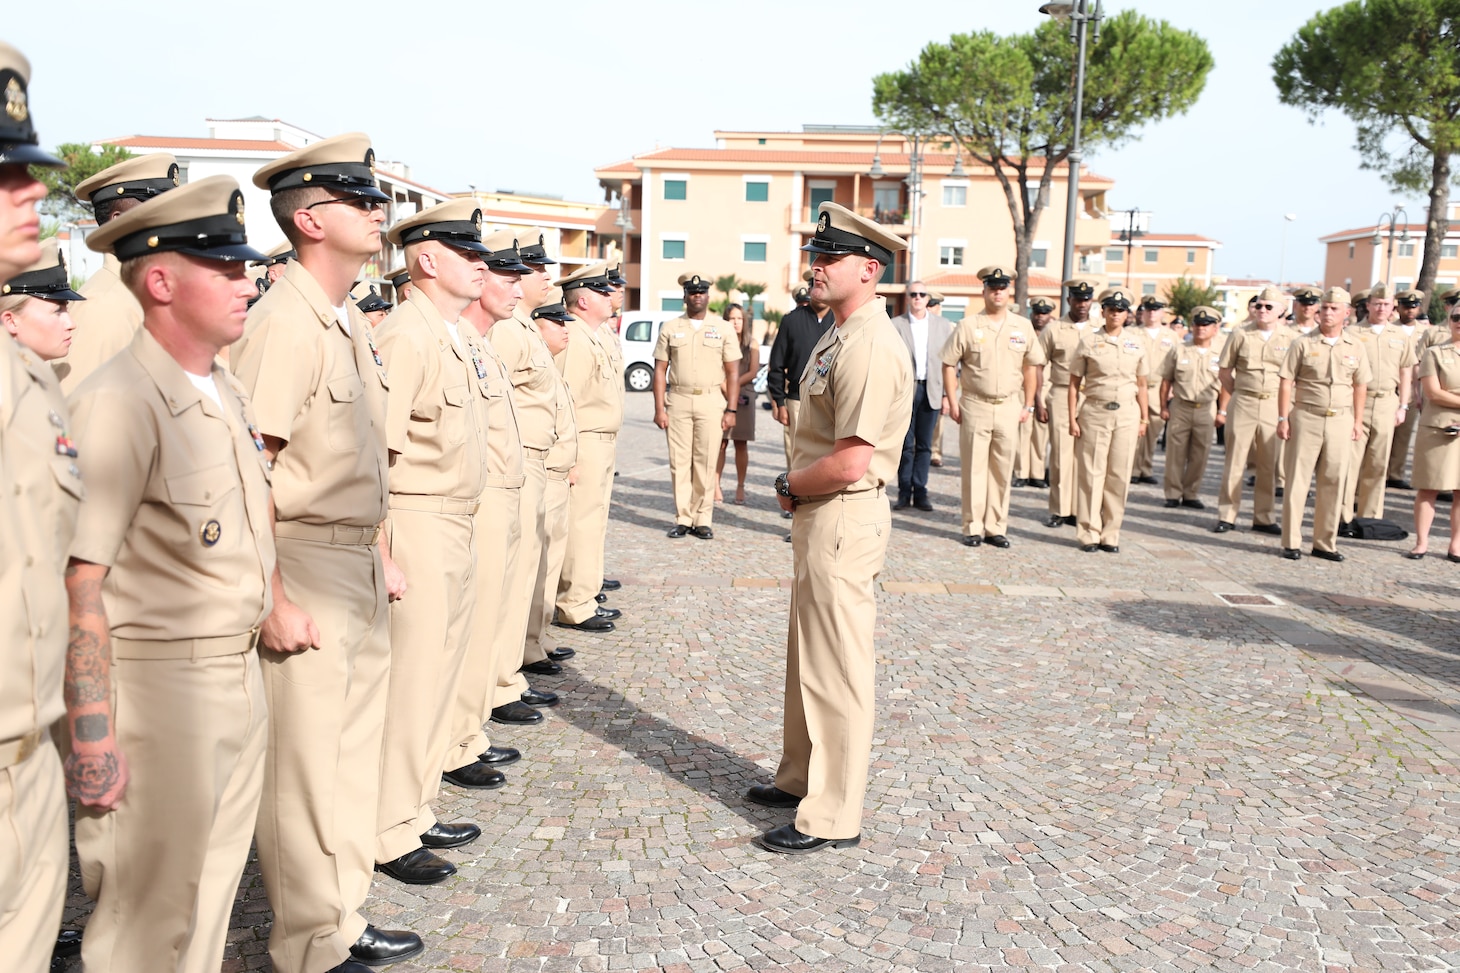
{"type": "Point", "coordinates": [500, 756]}
{"type": "Point", "coordinates": [1292, 554]}
{"type": "Point", "coordinates": [1278, 492]}
{"type": "Point", "coordinates": [611, 614]}
{"type": "Point", "coordinates": [1055, 520]}
{"type": "Point", "coordinates": [1414, 555]}
{"type": "Point", "coordinates": [419, 867]}
{"type": "Point", "coordinates": [68, 943]}
{"type": "Point", "coordinates": [1223, 526]}
{"type": "Point", "coordinates": [1347, 530]}
{"type": "Point", "coordinates": [1266, 529]}
{"type": "Point", "coordinates": [786, 840]}
{"type": "Point", "coordinates": [1109, 548]}
{"type": "Point", "coordinates": [1445, 496]}
{"type": "Point", "coordinates": [902, 505]}
{"type": "Point", "coordinates": [997, 540]}
{"type": "Point", "coordinates": [924, 504]}
{"type": "Point", "coordinates": [1070, 521]}
{"type": "Point", "coordinates": [478, 776]}
{"type": "Point", "coordinates": [594, 624]}
{"type": "Point", "coordinates": [1193, 505]}
{"type": "Point", "coordinates": [349, 966]}
{"type": "Point", "coordinates": [770, 795]}
{"type": "Point", "coordinates": [1089, 548]}
{"type": "Point", "coordinates": [678, 530]}
{"type": "Point", "coordinates": [703, 533]}
{"type": "Point", "coordinates": [516, 713]}
{"type": "Point", "coordinates": [1173, 503]}
{"type": "Point", "coordinates": [1327, 555]}
{"type": "Point", "coordinates": [1395, 483]}
{"type": "Point", "coordinates": [1252, 480]}
{"type": "Point", "coordinates": [377, 947]}
{"type": "Point", "coordinates": [972, 540]}
{"type": "Point", "coordinates": [542, 667]}
{"type": "Point", "coordinates": [451, 835]}
{"type": "Point", "coordinates": [609, 584]}
{"type": "Point", "coordinates": [786, 515]}
{"type": "Point", "coordinates": [1018, 481]}
{"type": "Point", "coordinates": [561, 654]}
{"type": "Point", "coordinates": [600, 598]}
{"type": "Point", "coordinates": [1148, 479]}
{"type": "Point", "coordinates": [538, 697]}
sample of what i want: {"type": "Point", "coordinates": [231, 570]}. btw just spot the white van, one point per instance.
{"type": "Point", "coordinates": [637, 336]}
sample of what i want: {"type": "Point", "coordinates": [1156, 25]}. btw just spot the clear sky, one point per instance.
{"type": "Point", "coordinates": [530, 97]}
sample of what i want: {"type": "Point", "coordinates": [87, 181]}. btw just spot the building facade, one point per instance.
{"type": "Point", "coordinates": [1358, 258]}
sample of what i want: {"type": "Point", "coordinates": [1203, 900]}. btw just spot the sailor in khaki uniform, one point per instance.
{"type": "Point", "coordinates": [1161, 342]}
{"type": "Point", "coordinates": [1437, 446]}
{"type": "Point", "coordinates": [856, 405]}
{"type": "Point", "coordinates": [37, 520]}
{"type": "Point", "coordinates": [1305, 309]}
{"type": "Point", "coordinates": [399, 280]}
{"type": "Point", "coordinates": [1409, 305]}
{"type": "Point", "coordinates": [1392, 360]}
{"type": "Point", "coordinates": [318, 384]}
{"type": "Point", "coordinates": [371, 304]}
{"type": "Point", "coordinates": [1031, 462]}
{"type": "Point", "coordinates": [699, 358]}
{"type": "Point", "coordinates": [1060, 341]}
{"type": "Point", "coordinates": [35, 307]}
{"type": "Point", "coordinates": [1249, 366]}
{"type": "Point", "coordinates": [107, 323]}
{"type": "Point", "coordinates": [597, 387]}
{"type": "Point", "coordinates": [1108, 408]}
{"type": "Point", "coordinates": [1189, 395]}
{"type": "Point", "coordinates": [169, 577]}
{"type": "Point", "coordinates": [1320, 402]}
{"type": "Point", "coordinates": [993, 360]}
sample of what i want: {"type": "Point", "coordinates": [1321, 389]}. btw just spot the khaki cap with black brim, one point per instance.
{"type": "Point", "coordinates": [141, 177]}
{"type": "Point", "coordinates": [503, 253]}
{"type": "Point", "coordinates": [592, 276]}
{"type": "Point", "coordinates": [46, 278]}
{"type": "Point", "coordinates": [840, 231]}
{"type": "Point", "coordinates": [344, 163]}
{"type": "Point", "coordinates": [202, 219]}
{"type": "Point", "coordinates": [19, 143]}
{"type": "Point", "coordinates": [456, 223]}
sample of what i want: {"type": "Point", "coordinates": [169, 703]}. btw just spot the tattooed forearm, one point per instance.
{"type": "Point", "coordinates": [88, 669]}
{"type": "Point", "coordinates": [90, 777]}
{"type": "Point", "coordinates": [88, 653]}
{"type": "Point", "coordinates": [90, 728]}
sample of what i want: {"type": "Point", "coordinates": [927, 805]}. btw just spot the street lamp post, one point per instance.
{"type": "Point", "coordinates": [1393, 221]}
{"type": "Point", "coordinates": [914, 181]}
{"type": "Point", "coordinates": [1128, 237]}
{"type": "Point", "coordinates": [1283, 257]}
{"type": "Point", "coordinates": [1084, 18]}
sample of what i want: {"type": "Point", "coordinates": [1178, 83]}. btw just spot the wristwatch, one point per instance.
{"type": "Point", "coordinates": [783, 486]}
{"type": "Point", "coordinates": [1282, 418]}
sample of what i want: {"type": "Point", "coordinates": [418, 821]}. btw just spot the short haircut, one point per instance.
{"type": "Point", "coordinates": [135, 269]}
{"type": "Point", "coordinates": [290, 201]}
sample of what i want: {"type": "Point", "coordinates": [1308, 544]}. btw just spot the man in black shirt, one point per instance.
{"type": "Point", "coordinates": [795, 339]}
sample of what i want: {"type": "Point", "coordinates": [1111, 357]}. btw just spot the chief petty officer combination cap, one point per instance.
{"type": "Point", "coordinates": [996, 276]}
{"type": "Point", "coordinates": [593, 276]}
{"type": "Point", "coordinates": [694, 284]}
{"type": "Point", "coordinates": [1202, 314]}
{"type": "Point", "coordinates": [1041, 305]}
{"type": "Point", "coordinates": [456, 223]}
{"type": "Point", "coordinates": [839, 230]}
{"type": "Point", "coordinates": [202, 219]}
{"type": "Point", "coordinates": [1117, 298]}
{"type": "Point", "coordinates": [46, 278]}
{"type": "Point", "coordinates": [1451, 296]}
{"type": "Point", "coordinates": [502, 253]}
{"type": "Point", "coordinates": [1307, 296]}
{"type": "Point", "coordinates": [140, 178]}
{"type": "Point", "coordinates": [534, 251]}
{"type": "Point", "coordinates": [398, 278]}
{"type": "Point", "coordinates": [368, 299]}
{"type": "Point", "coordinates": [1410, 298]}
{"type": "Point", "coordinates": [554, 309]}
{"type": "Point", "coordinates": [18, 140]}
{"type": "Point", "coordinates": [281, 254]}
{"type": "Point", "coordinates": [345, 163]}
{"type": "Point", "coordinates": [1080, 288]}
{"type": "Point", "coordinates": [616, 276]}
{"type": "Point", "coordinates": [1152, 303]}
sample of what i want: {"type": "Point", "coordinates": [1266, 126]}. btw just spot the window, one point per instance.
{"type": "Point", "coordinates": [1091, 263]}
{"type": "Point", "coordinates": [1406, 250]}
{"type": "Point", "coordinates": [675, 188]}
{"type": "Point", "coordinates": [889, 274]}
{"type": "Point", "coordinates": [1039, 257]}
{"type": "Point", "coordinates": [1153, 256]}
{"type": "Point", "coordinates": [639, 331]}
{"type": "Point", "coordinates": [1191, 256]}
{"type": "Point", "coordinates": [950, 256]}
{"type": "Point", "coordinates": [757, 192]}
{"type": "Point", "coordinates": [1114, 255]}
{"type": "Point", "coordinates": [817, 195]}
{"type": "Point", "coordinates": [887, 203]}
{"type": "Point", "coordinates": [754, 253]}
{"type": "Point", "coordinates": [757, 309]}
{"type": "Point", "coordinates": [671, 304]}
{"type": "Point", "coordinates": [1402, 285]}
{"type": "Point", "coordinates": [955, 195]}
{"type": "Point", "coordinates": [673, 249]}
{"type": "Point", "coordinates": [1448, 250]}
{"type": "Point", "coordinates": [1148, 289]}
{"type": "Point", "coordinates": [1350, 251]}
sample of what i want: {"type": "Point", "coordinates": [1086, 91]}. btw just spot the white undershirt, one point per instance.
{"type": "Point", "coordinates": [206, 385]}
{"type": "Point", "coordinates": [1408, 329]}
{"type": "Point", "coordinates": [1264, 335]}
{"type": "Point", "coordinates": [919, 328]}
{"type": "Point", "coordinates": [696, 323]}
{"type": "Point", "coordinates": [1376, 328]}
{"type": "Point", "coordinates": [1331, 341]}
{"type": "Point", "coordinates": [455, 330]}
{"type": "Point", "coordinates": [342, 315]}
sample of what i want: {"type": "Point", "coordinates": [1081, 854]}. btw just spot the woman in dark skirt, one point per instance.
{"type": "Point", "coordinates": [743, 432]}
{"type": "Point", "coordinates": [1437, 440]}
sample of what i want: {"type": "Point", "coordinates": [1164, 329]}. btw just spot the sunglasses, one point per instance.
{"type": "Point", "coordinates": [1455, 316]}
{"type": "Point", "coordinates": [917, 293]}
{"type": "Point", "coordinates": [1452, 301]}
{"type": "Point", "coordinates": [364, 204]}
{"type": "Point", "coordinates": [1263, 307]}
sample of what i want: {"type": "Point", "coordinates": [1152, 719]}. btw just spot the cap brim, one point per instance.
{"type": "Point", "coordinates": [23, 153]}
{"type": "Point", "coordinates": [604, 289]}
{"type": "Point", "coordinates": [369, 192]}
{"type": "Point", "coordinates": [472, 246]}
{"type": "Point", "coordinates": [814, 247]}
{"type": "Point", "coordinates": [560, 318]}
{"type": "Point", "coordinates": [228, 254]}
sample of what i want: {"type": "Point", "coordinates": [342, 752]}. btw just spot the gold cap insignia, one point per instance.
{"type": "Point", "coordinates": [823, 223]}
{"type": "Point", "coordinates": [15, 104]}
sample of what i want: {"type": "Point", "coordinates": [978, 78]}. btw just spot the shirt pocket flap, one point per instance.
{"type": "Point", "coordinates": [203, 488]}
{"type": "Point", "coordinates": [68, 476]}
{"type": "Point", "coordinates": [457, 395]}
{"type": "Point", "coordinates": [346, 388]}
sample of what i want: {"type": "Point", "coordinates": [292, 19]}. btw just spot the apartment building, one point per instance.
{"type": "Point", "coordinates": [747, 205]}
{"type": "Point", "coordinates": [1358, 258]}
{"type": "Point", "coordinates": [1150, 263]}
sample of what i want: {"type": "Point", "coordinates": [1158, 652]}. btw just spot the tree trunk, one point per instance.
{"type": "Point", "coordinates": [1438, 223]}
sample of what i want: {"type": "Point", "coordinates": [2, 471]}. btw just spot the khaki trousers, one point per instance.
{"type": "Point", "coordinates": [549, 569]}
{"type": "Point", "coordinates": [587, 525]}
{"type": "Point", "coordinates": [838, 546]}
{"type": "Point", "coordinates": [1188, 444]}
{"type": "Point", "coordinates": [1145, 463]}
{"type": "Point", "coordinates": [491, 636]}
{"type": "Point", "coordinates": [788, 431]}
{"type": "Point", "coordinates": [1320, 445]}
{"type": "Point", "coordinates": [1403, 440]}
{"type": "Point", "coordinates": [164, 867]}
{"type": "Point", "coordinates": [1363, 493]}
{"type": "Point", "coordinates": [1251, 428]}
{"type": "Point", "coordinates": [1062, 472]}
{"type": "Point", "coordinates": [429, 630]}
{"type": "Point", "coordinates": [33, 859]}
{"type": "Point", "coordinates": [316, 824]}
{"type": "Point", "coordinates": [987, 437]}
{"type": "Point", "coordinates": [694, 440]}
{"type": "Point", "coordinates": [531, 553]}
{"type": "Point", "coordinates": [1029, 461]}
{"type": "Point", "coordinates": [1104, 454]}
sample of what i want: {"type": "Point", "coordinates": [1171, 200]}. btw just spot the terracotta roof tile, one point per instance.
{"type": "Point", "coordinates": [162, 142]}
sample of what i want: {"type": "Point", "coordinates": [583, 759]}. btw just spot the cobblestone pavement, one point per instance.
{"type": "Point", "coordinates": [1191, 755]}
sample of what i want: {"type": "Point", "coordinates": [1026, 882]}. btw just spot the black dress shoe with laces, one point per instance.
{"type": "Point", "coordinates": [542, 667]}
{"type": "Point", "coordinates": [500, 756]}
{"type": "Point", "coordinates": [561, 654]}
{"type": "Point", "coordinates": [769, 795]}
{"type": "Point", "coordinates": [538, 697]}
{"type": "Point", "coordinates": [1193, 505]}
{"type": "Point", "coordinates": [997, 540]}
{"type": "Point", "coordinates": [450, 835]}
{"type": "Point", "coordinates": [1266, 529]}
{"type": "Point", "coordinates": [1327, 555]}
{"type": "Point", "coordinates": [419, 867]}
{"type": "Point", "coordinates": [786, 840]}
{"type": "Point", "coordinates": [377, 947]}
{"type": "Point", "coordinates": [678, 530]}
{"type": "Point", "coordinates": [477, 776]}
{"type": "Point", "coordinates": [612, 614]}
{"type": "Point", "coordinates": [1223, 526]}
{"type": "Point", "coordinates": [594, 624]}
{"type": "Point", "coordinates": [516, 713]}
{"type": "Point", "coordinates": [703, 533]}
{"type": "Point", "coordinates": [609, 584]}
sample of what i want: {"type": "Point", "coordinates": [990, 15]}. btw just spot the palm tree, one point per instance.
{"type": "Point", "coordinates": [751, 291]}
{"type": "Point", "coordinates": [727, 285]}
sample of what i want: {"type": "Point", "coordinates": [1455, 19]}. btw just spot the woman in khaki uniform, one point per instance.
{"type": "Point", "coordinates": [34, 310]}
{"type": "Point", "coordinates": [1110, 368]}
{"type": "Point", "coordinates": [1189, 389]}
{"type": "Point", "coordinates": [1437, 444]}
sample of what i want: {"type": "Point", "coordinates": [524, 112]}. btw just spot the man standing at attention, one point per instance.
{"type": "Point", "coordinates": [858, 397]}
{"type": "Point", "coordinates": [924, 333]}
{"type": "Point", "coordinates": [1391, 365]}
{"type": "Point", "coordinates": [1060, 341]}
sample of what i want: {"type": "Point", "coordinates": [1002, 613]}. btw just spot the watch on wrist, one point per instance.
{"type": "Point", "coordinates": [783, 486]}
{"type": "Point", "coordinates": [1282, 418]}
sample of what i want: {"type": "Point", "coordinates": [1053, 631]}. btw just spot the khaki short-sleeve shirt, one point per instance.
{"type": "Point", "coordinates": [1388, 350]}
{"type": "Point", "coordinates": [696, 356]}
{"type": "Point", "coordinates": [857, 384]}
{"type": "Point", "coordinates": [178, 505]}
{"type": "Point", "coordinates": [1059, 342]}
{"type": "Point", "coordinates": [40, 491]}
{"type": "Point", "coordinates": [993, 354]}
{"type": "Point", "coordinates": [1255, 362]}
{"type": "Point", "coordinates": [105, 323]}
{"type": "Point", "coordinates": [564, 452]}
{"type": "Point", "coordinates": [504, 440]}
{"type": "Point", "coordinates": [1443, 362]}
{"type": "Point", "coordinates": [595, 382]}
{"type": "Point", "coordinates": [1110, 366]}
{"type": "Point", "coordinates": [322, 390]}
{"type": "Point", "coordinates": [1159, 346]}
{"type": "Point", "coordinates": [530, 367]}
{"type": "Point", "coordinates": [1324, 375]}
{"type": "Point", "coordinates": [436, 416]}
{"type": "Point", "coordinates": [1192, 372]}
